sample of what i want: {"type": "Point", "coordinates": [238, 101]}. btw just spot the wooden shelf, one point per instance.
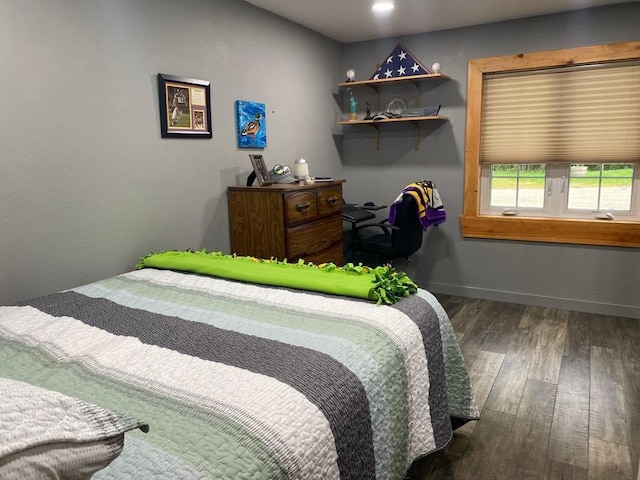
{"type": "Point", "coordinates": [386, 81]}
{"type": "Point", "coordinates": [416, 80]}
{"type": "Point", "coordinates": [390, 120]}
{"type": "Point", "coordinates": [413, 120]}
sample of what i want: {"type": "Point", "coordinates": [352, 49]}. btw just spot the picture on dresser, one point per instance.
{"type": "Point", "coordinates": [260, 169]}
{"type": "Point", "coordinates": [251, 124]}
{"type": "Point", "coordinates": [185, 107]}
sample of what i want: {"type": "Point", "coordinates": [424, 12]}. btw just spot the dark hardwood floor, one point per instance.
{"type": "Point", "coordinates": [558, 391]}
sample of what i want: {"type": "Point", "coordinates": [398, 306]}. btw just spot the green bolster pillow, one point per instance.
{"type": "Point", "coordinates": [380, 284]}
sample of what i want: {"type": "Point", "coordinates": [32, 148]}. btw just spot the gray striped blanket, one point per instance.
{"type": "Point", "coordinates": [241, 381]}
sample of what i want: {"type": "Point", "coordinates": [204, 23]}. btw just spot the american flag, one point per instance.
{"type": "Point", "coordinates": [400, 63]}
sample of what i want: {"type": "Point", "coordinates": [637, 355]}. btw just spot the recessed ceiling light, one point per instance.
{"type": "Point", "coordinates": [382, 6]}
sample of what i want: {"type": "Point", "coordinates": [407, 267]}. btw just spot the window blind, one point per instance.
{"type": "Point", "coordinates": [578, 115]}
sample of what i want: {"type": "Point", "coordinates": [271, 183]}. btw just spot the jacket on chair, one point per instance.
{"type": "Point", "coordinates": [430, 208]}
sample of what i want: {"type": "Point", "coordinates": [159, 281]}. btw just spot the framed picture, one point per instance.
{"type": "Point", "coordinates": [251, 124]}
{"type": "Point", "coordinates": [260, 169]}
{"type": "Point", "coordinates": [185, 107]}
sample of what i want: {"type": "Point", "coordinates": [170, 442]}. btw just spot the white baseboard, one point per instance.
{"type": "Point", "coordinates": [628, 311]}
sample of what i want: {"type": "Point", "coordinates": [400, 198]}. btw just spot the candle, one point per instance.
{"type": "Point", "coordinates": [301, 168]}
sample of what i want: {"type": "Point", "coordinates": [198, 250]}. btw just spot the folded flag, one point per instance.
{"type": "Point", "coordinates": [399, 63]}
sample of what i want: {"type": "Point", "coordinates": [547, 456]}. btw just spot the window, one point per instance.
{"type": "Point", "coordinates": [510, 188]}
{"type": "Point", "coordinates": [553, 146]}
{"type": "Point", "coordinates": [602, 191]}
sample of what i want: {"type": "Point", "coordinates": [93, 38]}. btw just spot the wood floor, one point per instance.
{"type": "Point", "coordinates": [559, 394]}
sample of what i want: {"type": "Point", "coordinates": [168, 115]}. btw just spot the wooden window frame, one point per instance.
{"type": "Point", "coordinates": [528, 228]}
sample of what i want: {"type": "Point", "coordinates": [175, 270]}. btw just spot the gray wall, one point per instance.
{"type": "Point", "coordinates": [597, 279]}
{"type": "Point", "coordinates": [87, 185]}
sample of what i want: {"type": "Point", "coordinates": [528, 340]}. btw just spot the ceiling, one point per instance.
{"type": "Point", "coordinates": [352, 20]}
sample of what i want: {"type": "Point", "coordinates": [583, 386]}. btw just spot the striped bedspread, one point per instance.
{"type": "Point", "coordinates": [241, 381]}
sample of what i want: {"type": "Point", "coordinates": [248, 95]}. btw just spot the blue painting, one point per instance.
{"type": "Point", "coordinates": [251, 124]}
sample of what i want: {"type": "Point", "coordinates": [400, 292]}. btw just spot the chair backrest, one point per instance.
{"type": "Point", "coordinates": [408, 238]}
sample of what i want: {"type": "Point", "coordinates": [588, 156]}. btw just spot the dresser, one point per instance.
{"type": "Point", "coordinates": [289, 221]}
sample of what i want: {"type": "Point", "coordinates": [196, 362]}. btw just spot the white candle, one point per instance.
{"type": "Point", "coordinates": [301, 168]}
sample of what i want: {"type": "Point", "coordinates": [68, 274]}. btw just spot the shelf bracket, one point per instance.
{"type": "Point", "coordinates": [417, 102]}
{"type": "Point", "coordinates": [377, 90]}
{"type": "Point", "coordinates": [377, 129]}
{"type": "Point", "coordinates": [377, 139]}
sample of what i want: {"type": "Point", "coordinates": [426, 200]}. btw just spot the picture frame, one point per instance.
{"type": "Point", "coordinates": [185, 107]}
{"type": "Point", "coordinates": [260, 169]}
{"type": "Point", "coordinates": [251, 124]}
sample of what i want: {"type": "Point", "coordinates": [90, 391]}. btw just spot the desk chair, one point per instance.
{"type": "Point", "coordinates": [354, 215]}
{"type": "Point", "coordinates": [398, 240]}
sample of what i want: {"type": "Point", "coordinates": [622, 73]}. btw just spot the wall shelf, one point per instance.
{"type": "Point", "coordinates": [415, 121]}
{"type": "Point", "coordinates": [375, 123]}
{"type": "Point", "coordinates": [416, 80]}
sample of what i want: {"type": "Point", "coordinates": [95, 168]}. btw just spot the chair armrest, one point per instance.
{"type": "Point", "coordinates": [386, 227]}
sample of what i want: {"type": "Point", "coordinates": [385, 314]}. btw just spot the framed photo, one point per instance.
{"type": "Point", "coordinates": [185, 107]}
{"type": "Point", "coordinates": [260, 169]}
{"type": "Point", "coordinates": [251, 124]}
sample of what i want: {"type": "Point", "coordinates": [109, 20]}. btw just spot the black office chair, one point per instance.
{"type": "Point", "coordinates": [398, 240]}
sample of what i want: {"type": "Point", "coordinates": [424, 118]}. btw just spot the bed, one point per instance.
{"type": "Point", "coordinates": [227, 379]}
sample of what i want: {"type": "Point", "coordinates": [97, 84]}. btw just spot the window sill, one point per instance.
{"type": "Point", "coordinates": [535, 229]}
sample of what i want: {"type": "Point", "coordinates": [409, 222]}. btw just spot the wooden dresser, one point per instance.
{"type": "Point", "coordinates": [288, 221]}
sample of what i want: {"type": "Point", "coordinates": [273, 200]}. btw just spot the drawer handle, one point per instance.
{"type": "Point", "coordinates": [332, 201]}
{"type": "Point", "coordinates": [303, 207]}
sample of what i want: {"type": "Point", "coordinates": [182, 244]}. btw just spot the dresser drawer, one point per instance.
{"type": "Point", "coordinates": [333, 254]}
{"type": "Point", "coordinates": [329, 201]}
{"type": "Point", "coordinates": [300, 207]}
{"type": "Point", "coordinates": [311, 238]}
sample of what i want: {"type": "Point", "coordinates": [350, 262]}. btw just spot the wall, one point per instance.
{"type": "Point", "coordinates": [87, 185]}
{"type": "Point", "coordinates": [596, 279]}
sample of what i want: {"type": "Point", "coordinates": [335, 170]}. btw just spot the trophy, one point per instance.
{"type": "Point", "coordinates": [351, 75]}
